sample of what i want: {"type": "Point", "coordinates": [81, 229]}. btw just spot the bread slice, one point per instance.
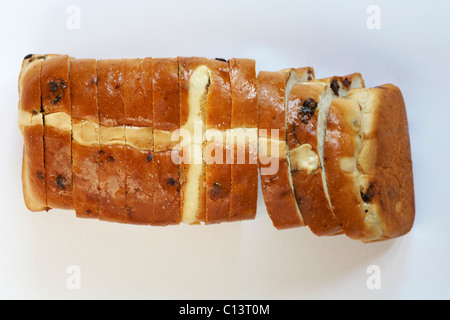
{"type": "Point", "coordinates": [137, 85]}
{"type": "Point", "coordinates": [276, 183]}
{"type": "Point", "coordinates": [194, 77]}
{"type": "Point", "coordinates": [368, 164]}
{"type": "Point", "coordinates": [217, 153]}
{"type": "Point", "coordinates": [55, 91]}
{"type": "Point", "coordinates": [113, 160]}
{"type": "Point", "coordinates": [307, 113]}
{"type": "Point", "coordinates": [31, 124]}
{"type": "Point", "coordinates": [85, 137]}
{"type": "Point", "coordinates": [166, 120]}
{"type": "Point", "coordinates": [243, 139]}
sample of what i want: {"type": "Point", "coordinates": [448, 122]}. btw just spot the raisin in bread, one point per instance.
{"type": "Point", "coordinates": [85, 137]}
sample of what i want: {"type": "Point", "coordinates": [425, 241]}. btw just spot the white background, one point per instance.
{"type": "Point", "coordinates": [242, 260]}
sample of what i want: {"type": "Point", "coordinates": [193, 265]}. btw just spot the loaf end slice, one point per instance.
{"type": "Point", "coordinates": [30, 119]}
{"type": "Point", "coordinates": [368, 164]}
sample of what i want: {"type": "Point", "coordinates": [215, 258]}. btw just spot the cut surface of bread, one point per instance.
{"type": "Point", "coordinates": [275, 173]}
{"type": "Point", "coordinates": [166, 120]}
{"type": "Point", "coordinates": [55, 92]}
{"type": "Point", "coordinates": [137, 82]}
{"type": "Point", "coordinates": [242, 139]}
{"type": "Point", "coordinates": [194, 77]}
{"type": "Point", "coordinates": [113, 155]}
{"type": "Point", "coordinates": [307, 113]}
{"type": "Point", "coordinates": [85, 123]}
{"type": "Point", "coordinates": [31, 124]}
{"type": "Point", "coordinates": [218, 121]}
{"type": "Point", "coordinates": [368, 164]}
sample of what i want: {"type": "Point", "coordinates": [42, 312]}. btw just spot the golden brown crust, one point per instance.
{"type": "Point", "coordinates": [112, 168]}
{"type": "Point", "coordinates": [29, 84]}
{"type": "Point", "coordinates": [218, 117]}
{"type": "Point", "coordinates": [243, 93]}
{"type": "Point", "coordinates": [112, 181]}
{"type": "Point", "coordinates": [140, 181]}
{"type": "Point", "coordinates": [110, 93]}
{"type": "Point", "coordinates": [83, 90]}
{"type": "Point", "coordinates": [85, 159]}
{"type": "Point", "coordinates": [137, 82]}
{"type": "Point", "coordinates": [138, 113]}
{"type": "Point", "coordinates": [368, 164]}
{"type": "Point", "coordinates": [33, 170]}
{"type": "Point", "coordinates": [167, 190]}
{"type": "Point", "coordinates": [276, 187]}
{"type": "Point", "coordinates": [57, 144]}
{"type": "Point", "coordinates": [166, 116]}
{"type": "Point", "coordinates": [244, 114]}
{"type": "Point", "coordinates": [166, 99]}
{"type": "Point", "coordinates": [306, 102]}
{"type": "Point", "coordinates": [309, 190]}
{"type": "Point", "coordinates": [58, 168]}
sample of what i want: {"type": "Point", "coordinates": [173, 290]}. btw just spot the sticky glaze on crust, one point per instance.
{"type": "Point", "coordinates": [137, 79]}
{"type": "Point", "coordinates": [112, 168]}
{"type": "Point", "coordinates": [244, 114]}
{"type": "Point", "coordinates": [277, 186]}
{"type": "Point", "coordinates": [33, 169]}
{"type": "Point", "coordinates": [166, 118]}
{"type": "Point", "coordinates": [55, 91]}
{"type": "Point", "coordinates": [85, 158]}
{"type": "Point", "coordinates": [218, 169]}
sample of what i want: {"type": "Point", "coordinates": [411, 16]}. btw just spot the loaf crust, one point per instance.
{"type": "Point", "coordinates": [244, 114]}
{"type": "Point", "coordinates": [33, 170]}
{"type": "Point", "coordinates": [277, 187]}
{"type": "Point", "coordinates": [166, 117]}
{"type": "Point", "coordinates": [85, 158]}
{"type": "Point", "coordinates": [140, 180]}
{"type": "Point", "coordinates": [55, 91]}
{"type": "Point", "coordinates": [368, 164]}
{"type": "Point", "coordinates": [113, 158]}
{"type": "Point", "coordinates": [218, 118]}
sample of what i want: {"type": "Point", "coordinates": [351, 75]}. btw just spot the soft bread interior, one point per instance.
{"type": "Point", "coordinates": [363, 125]}
{"type": "Point", "coordinates": [192, 134]}
{"type": "Point", "coordinates": [294, 78]}
{"type": "Point", "coordinates": [334, 90]}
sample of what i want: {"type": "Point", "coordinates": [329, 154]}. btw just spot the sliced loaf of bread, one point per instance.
{"type": "Point", "coordinates": [85, 137]}
{"type": "Point", "coordinates": [307, 113]}
{"type": "Point", "coordinates": [274, 162]}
